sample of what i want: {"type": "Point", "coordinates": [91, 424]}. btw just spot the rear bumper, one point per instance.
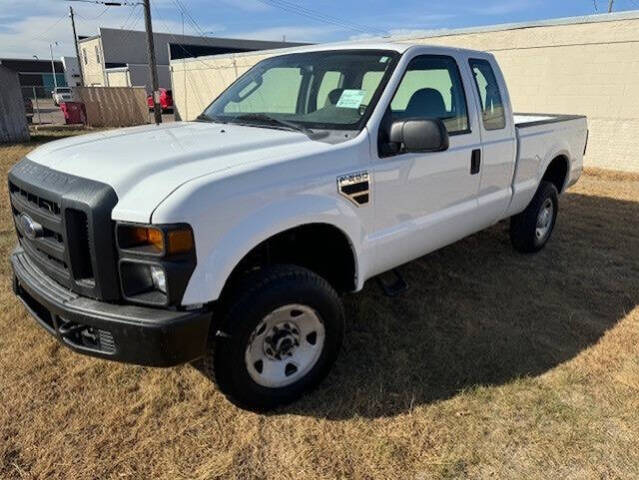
{"type": "Point", "coordinates": [125, 333]}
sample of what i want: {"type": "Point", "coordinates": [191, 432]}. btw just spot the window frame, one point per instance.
{"type": "Point", "coordinates": [481, 103]}
{"type": "Point", "coordinates": [394, 59]}
{"type": "Point", "coordinates": [468, 129]}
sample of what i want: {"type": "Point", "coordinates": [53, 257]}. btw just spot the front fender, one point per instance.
{"type": "Point", "coordinates": [217, 263]}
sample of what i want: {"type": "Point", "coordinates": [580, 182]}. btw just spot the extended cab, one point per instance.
{"type": "Point", "coordinates": [229, 239]}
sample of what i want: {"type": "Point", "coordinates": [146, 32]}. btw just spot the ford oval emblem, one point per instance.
{"type": "Point", "coordinates": [31, 228]}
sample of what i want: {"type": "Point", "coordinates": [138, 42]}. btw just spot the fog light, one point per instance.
{"type": "Point", "coordinates": [159, 278]}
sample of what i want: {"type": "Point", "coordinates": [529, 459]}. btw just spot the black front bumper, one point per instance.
{"type": "Point", "coordinates": [126, 333]}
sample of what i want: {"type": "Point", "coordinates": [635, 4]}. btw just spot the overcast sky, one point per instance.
{"type": "Point", "coordinates": [27, 27]}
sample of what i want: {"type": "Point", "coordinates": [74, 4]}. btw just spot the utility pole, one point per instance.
{"type": "Point", "coordinates": [55, 80]}
{"type": "Point", "coordinates": [157, 111]}
{"type": "Point", "coordinates": [610, 5]}
{"type": "Point", "coordinates": [77, 48]}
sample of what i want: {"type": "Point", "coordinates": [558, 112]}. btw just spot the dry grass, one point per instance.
{"type": "Point", "coordinates": [493, 365]}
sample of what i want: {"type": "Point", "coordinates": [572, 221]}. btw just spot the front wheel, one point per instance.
{"type": "Point", "coordinates": [531, 229]}
{"type": "Point", "coordinates": [281, 333]}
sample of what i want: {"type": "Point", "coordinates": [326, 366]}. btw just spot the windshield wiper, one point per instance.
{"type": "Point", "coordinates": [262, 117]}
{"type": "Point", "coordinates": [203, 117]}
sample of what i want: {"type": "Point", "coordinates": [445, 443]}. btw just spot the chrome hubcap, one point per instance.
{"type": "Point", "coordinates": [544, 220]}
{"type": "Point", "coordinates": [285, 346]}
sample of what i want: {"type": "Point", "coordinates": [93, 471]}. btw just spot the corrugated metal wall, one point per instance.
{"type": "Point", "coordinates": [585, 66]}
{"type": "Point", "coordinates": [13, 119]}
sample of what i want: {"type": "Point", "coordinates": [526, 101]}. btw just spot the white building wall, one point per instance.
{"type": "Point", "coordinates": [71, 71]}
{"type": "Point", "coordinates": [587, 65]}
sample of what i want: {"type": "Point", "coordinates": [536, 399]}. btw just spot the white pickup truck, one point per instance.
{"type": "Point", "coordinates": [229, 239]}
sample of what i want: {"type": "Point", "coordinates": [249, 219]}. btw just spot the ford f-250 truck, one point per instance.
{"type": "Point", "coordinates": [229, 239]}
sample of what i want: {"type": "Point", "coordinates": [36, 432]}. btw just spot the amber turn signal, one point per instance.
{"type": "Point", "coordinates": [151, 240]}
{"type": "Point", "coordinates": [179, 241]}
{"type": "Point", "coordinates": [133, 236]}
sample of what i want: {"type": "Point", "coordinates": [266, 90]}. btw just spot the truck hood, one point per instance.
{"type": "Point", "coordinates": [145, 164]}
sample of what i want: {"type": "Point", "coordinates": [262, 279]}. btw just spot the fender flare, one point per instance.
{"type": "Point", "coordinates": [214, 269]}
{"type": "Point", "coordinates": [560, 149]}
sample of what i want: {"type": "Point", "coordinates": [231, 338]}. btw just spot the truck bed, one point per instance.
{"type": "Point", "coordinates": [524, 120]}
{"type": "Point", "coordinates": [540, 138]}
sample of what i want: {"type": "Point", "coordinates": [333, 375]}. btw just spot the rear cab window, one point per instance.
{"type": "Point", "coordinates": [492, 106]}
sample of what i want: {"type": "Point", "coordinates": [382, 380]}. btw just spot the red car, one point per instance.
{"type": "Point", "coordinates": [166, 100]}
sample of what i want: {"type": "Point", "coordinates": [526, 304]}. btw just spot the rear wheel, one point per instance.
{"type": "Point", "coordinates": [531, 229]}
{"type": "Point", "coordinates": [280, 334]}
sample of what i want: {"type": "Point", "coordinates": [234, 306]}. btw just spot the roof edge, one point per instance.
{"type": "Point", "coordinates": [553, 22]}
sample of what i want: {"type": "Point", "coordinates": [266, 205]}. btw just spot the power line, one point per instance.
{"type": "Point", "coordinates": [94, 18]}
{"type": "Point", "coordinates": [108, 3]}
{"type": "Point", "coordinates": [135, 20]}
{"type": "Point", "coordinates": [40, 35]}
{"type": "Point", "coordinates": [185, 11]}
{"type": "Point", "coordinates": [320, 17]}
{"type": "Point", "coordinates": [128, 18]}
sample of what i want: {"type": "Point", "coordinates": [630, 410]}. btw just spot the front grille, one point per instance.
{"type": "Point", "coordinates": [74, 242]}
{"type": "Point", "coordinates": [49, 250]}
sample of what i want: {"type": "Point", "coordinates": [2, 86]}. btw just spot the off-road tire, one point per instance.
{"type": "Point", "coordinates": [251, 300]}
{"type": "Point", "coordinates": [524, 224]}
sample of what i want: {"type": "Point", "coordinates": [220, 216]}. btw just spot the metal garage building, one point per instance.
{"type": "Point", "coordinates": [36, 74]}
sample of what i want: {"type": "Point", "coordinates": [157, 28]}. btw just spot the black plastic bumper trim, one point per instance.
{"type": "Point", "coordinates": [141, 335]}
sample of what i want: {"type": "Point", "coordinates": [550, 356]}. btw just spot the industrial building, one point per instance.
{"type": "Point", "coordinates": [71, 71]}
{"type": "Point", "coordinates": [36, 75]}
{"type": "Point", "coordinates": [118, 57]}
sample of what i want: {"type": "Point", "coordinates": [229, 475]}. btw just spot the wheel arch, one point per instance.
{"type": "Point", "coordinates": [557, 170]}
{"type": "Point", "coordinates": [321, 228]}
{"type": "Point", "coordinates": [323, 248]}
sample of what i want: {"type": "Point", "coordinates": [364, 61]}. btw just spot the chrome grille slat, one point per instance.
{"type": "Point", "coordinates": [47, 245]}
{"type": "Point", "coordinates": [29, 268]}
{"type": "Point", "coordinates": [44, 262]}
{"type": "Point", "coordinates": [47, 220]}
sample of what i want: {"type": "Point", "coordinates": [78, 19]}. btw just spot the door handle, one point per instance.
{"type": "Point", "coordinates": [475, 162]}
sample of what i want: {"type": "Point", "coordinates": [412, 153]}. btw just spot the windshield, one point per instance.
{"type": "Point", "coordinates": [326, 90]}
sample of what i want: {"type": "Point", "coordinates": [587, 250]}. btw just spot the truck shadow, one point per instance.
{"type": "Point", "coordinates": [478, 313]}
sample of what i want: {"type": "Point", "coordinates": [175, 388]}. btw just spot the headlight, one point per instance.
{"type": "Point", "coordinates": [159, 278]}
{"type": "Point", "coordinates": [155, 262]}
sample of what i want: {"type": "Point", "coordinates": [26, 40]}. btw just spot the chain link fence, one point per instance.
{"type": "Point", "coordinates": [39, 106]}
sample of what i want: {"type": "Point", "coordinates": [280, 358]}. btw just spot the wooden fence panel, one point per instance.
{"type": "Point", "coordinates": [114, 106]}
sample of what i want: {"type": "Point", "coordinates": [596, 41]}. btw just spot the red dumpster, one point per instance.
{"type": "Point", "coordinates": [74, 112]}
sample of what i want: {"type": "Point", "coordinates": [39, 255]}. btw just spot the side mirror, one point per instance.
{"type": "Point", "coordinates": [419, 135]}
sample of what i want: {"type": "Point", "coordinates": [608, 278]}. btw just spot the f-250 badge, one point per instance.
{"type": "Point", "coordinates": [355, 187]}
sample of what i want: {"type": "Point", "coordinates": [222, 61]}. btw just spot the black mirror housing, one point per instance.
{"type": "Point", "coordinates": [420, 135]}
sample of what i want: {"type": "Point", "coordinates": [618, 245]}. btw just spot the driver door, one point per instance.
{"type": "Point", "coordinates": [424, 201]}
